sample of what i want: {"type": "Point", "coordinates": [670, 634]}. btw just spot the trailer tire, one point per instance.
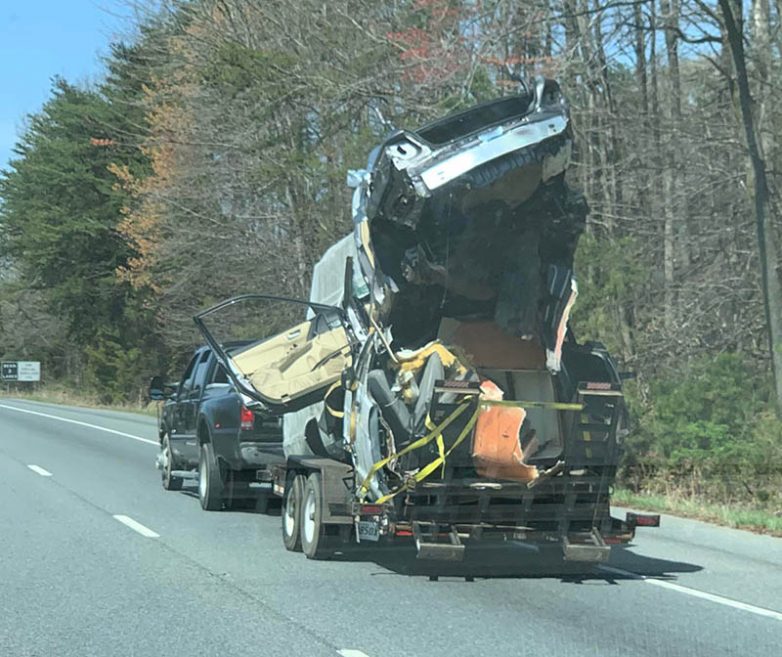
{"type": "Point", "coordinates": [211, 482]}
{"type": "Point", "coordinates": [169, 481]}
{"type": "Point", "coordinates": [291, 513]}
{"type": "Point", "coordinates": [315, 541]}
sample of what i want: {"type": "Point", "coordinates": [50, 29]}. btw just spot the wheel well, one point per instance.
{"type": "Point", "coordinates": [203, 432]}
{"type": "Point", "coordinates": [313, 439]}
{"type": "Point", "coordinates": [294, 469]}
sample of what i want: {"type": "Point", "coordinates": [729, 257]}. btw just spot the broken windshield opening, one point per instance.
{"type": "Point", "coordinates": [462, 124]}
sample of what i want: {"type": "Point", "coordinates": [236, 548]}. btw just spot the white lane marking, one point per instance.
{"type": "Point", "coordinates": [350, 652]}
{"type": "Point", "coordinates": [82, 424]}
{"type": "Point", "coordinates": [136, 526]}
{"type": "Point", "coordinates": [711, 597]}
{"type": "Point", "coordinates": [39, 470]}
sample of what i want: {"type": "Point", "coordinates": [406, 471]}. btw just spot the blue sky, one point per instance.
{"type": "Point", "coordinates": [43, 38]}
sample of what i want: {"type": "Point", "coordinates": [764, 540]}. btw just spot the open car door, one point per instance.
{"type": "Point", "coordinates": [297, 349]}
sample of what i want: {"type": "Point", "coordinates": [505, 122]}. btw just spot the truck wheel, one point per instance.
{"type": "Point", "coordinates": [210, 480]}
{"type": "Point", "coordinates": [170, 482]}
{"type": "Point", "coordinates": [315, 543]}
{"type": "Point", "coordinates": [291, 516]}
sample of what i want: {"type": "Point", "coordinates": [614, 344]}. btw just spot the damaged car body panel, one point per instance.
{"type": "Point", "coordinates": [475, 148]}
{"type": "Point", "coordinates": [444, 372]}
{"type": "Point", "coordinates": [471, 215]}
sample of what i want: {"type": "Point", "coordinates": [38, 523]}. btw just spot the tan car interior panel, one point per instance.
{"type": "Point", "coordinates": [288, 365]}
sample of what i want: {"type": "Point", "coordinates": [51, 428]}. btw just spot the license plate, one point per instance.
{"type": "Point", "coordinates": [368, 530]}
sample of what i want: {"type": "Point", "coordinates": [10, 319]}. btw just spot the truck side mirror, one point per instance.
{"type": "Point", "coordinates": [159, 391]}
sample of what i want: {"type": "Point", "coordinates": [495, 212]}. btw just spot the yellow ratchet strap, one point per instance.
{"type": "Point", "coordinates": [436, 434]}
{"type": "Point", "coordinates": [440, 442]}
{"type": "Point", "coordinates": [424, 472]}
{"type": "Point", "coordinates": [556, 406]}
{"type": "Point", "coordinates": [425, 440]}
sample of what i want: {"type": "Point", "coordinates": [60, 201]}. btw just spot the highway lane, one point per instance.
{"type": "Point", "coordinates": [220, 583]}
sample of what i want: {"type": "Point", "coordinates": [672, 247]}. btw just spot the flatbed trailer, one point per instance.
{"type": "Point", "coordinates": [441, 519]}
{"type": "Point", "coordinates": [567, 506]}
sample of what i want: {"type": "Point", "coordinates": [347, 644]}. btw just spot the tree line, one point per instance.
{"type": "Point", "coordinates": [211, 160]}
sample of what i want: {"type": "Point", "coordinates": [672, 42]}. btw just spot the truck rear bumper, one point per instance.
{"type": "Point", "coordinates": [246, 455]}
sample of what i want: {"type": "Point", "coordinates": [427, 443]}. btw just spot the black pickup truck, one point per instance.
{"type": "Point", "coordinates": [207, 430]}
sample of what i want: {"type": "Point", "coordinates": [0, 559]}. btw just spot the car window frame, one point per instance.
{"type": "Point", "coordinates": [188, 375]}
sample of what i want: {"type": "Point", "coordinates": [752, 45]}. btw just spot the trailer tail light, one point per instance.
{"type": "Point", "coordinates": [642, 519]}
{"type": "Point", "coordinates": [246, 418]}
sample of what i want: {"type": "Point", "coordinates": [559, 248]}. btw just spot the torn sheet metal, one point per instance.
{"type": "Point", "coordinates": [470, 215]}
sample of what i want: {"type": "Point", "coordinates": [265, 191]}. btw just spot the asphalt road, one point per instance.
{"type": "Point", "coordinates": [97, 559]}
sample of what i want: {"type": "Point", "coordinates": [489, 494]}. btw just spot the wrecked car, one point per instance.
{"type": "Point", "coordinates": [432, 388]}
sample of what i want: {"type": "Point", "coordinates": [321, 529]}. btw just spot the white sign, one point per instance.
{"type": "Point", "coordinates": [28, 370]}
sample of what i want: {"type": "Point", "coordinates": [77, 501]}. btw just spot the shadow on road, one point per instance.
{"type": "Point", "coordinates": [239, 505]}
{"type": "Point", "coordinates": [515, 561]}
{"type": "Point", "coordinates": [625, 559]}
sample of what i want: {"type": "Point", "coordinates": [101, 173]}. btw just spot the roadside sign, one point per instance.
{"type": "Point", "coordinates": [9, 370]}
{"type": "Point", "coordinates": [20, 370]}
{"type": "Point", "coordinates": [28, 370]}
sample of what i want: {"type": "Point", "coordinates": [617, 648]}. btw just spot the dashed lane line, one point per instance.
{"type": "Point", "coordinates": [350, 652]}
{"type": "Point", "coordinates": [80, 423]}
{"type": "Point", "coordinates": [136, 526]}
{"type": "Point", "coordinates": [39, 470]}
{"type": "Point", "coordinates": [695, 593]}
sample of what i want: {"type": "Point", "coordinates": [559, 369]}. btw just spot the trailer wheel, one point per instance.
{"type": "Point", "coordinates": [169, 481]}
{"type": "Point", "coordinates": [291, 516]}
{"type": "Point", "coordinates": [315, 542]}
{"type": "Point", "coordinates": [211, 484]}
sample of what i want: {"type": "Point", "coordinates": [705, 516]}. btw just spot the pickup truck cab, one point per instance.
{"type": "Point", "coordinates": [208, 431]}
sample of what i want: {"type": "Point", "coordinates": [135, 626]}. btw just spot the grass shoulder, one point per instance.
{"type": "Point", "coordinates": [764, 521]}
{"type": "Point", "coordinates": [67, 397]}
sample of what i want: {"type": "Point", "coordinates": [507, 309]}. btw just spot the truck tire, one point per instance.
{"type": "Point", "coordinates": [211, 484]}
{"type": "Point", "coordinates": [315, 543]}
{"type": "Point", "coordinates": [168, 465]}
{"type": "Point", "coordinates": [291, 513]}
